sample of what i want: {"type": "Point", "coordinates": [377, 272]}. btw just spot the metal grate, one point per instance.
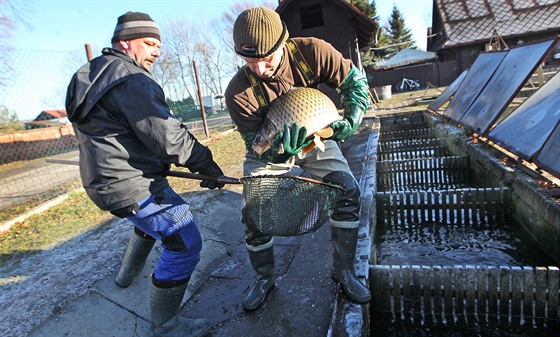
{"type": "Point", "coordinates": [468, 206]}
{"type": "Point", "coordinates": [423, 174]}
{"type": "Point", "coordinates": [420, 184]}
{"type": "Point", "coordinates": [444, 293]}
{"type": "Point", "coordinates": [418, 133]}
{"type": "Point", "coordinates": [399, 151]}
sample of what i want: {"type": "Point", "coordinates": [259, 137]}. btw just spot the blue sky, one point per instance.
{"type": "Point", "coordinates": [67, 25]}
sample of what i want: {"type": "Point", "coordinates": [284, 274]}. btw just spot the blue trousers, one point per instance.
{"type": "Point", "coordinates": [166, 217]}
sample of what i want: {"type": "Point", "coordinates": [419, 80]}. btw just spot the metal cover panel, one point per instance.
{"type": "Point", "coordinates": [511, 75]}
{"type": "Point", "coordinates": [525, 131]}
{"type": "Point", "coordinates": [482, 69]}
{"type": "Point", "coordinates": [448, 92]}
{"type": "Point", "coordinates": [549, 157]}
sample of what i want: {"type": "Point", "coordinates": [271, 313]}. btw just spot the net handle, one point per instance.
{"type": "Point", "coordinates": [172, 173]}
{"type": "Point", "coordinates": [220, 179]}
{"type": "Point", "coordinates": [310, 180]}
{"type": "Point", "coordinates": [188, 175]}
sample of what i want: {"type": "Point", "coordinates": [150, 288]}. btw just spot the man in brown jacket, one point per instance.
{"type": "Point", "coordinates": [262, 39]}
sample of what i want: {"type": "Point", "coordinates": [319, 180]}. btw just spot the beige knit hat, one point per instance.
{"type": "Point", "coordinates": [258, 32]}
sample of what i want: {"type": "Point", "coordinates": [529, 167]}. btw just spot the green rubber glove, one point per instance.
{"type": "Point", "coordinates": [347, 126]}
{"type": "Point", "coordinates": [291, 144]}
{"type": "Point", "coordinates": [293, 140]}
{"type": "Point", "coordinates": [355, 100]}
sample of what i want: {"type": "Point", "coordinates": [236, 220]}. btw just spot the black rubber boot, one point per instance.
{"type": "Point", "coordinates": [344, 251]}
{"type": "Point", "coordinates": [139, 247]}
{"type": "Point", "coordinates": [263, 263]}
{"type": "Point", "coordinates": [164, 306]}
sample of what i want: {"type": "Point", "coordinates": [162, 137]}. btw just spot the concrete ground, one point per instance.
{"type": "Point", "coordinates": [306, 300]}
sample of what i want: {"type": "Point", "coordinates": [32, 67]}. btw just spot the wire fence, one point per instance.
{"type": "Point", "coordinates": [33, 93]}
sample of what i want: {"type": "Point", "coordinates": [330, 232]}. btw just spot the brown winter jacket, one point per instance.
{"type": "Point", "coordinates": [327, 64]}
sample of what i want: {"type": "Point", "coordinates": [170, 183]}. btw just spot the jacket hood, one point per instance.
{"type": "Point", "coordinates": [95, 78]}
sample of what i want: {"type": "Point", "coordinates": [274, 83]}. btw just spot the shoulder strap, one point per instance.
{"type": "Point", "coordinates": [301, 63]}
{"type": "Point", "coordinates": [256, 86]}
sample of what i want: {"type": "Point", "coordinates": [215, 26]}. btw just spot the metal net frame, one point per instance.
{"type": "Point", "coordinates": [287, 205]}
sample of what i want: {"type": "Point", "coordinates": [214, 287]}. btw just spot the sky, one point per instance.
{"type": "Point", "coordinates": [67, 25]}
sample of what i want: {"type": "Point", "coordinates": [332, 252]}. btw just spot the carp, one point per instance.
{"type": "Point", "coordinates": [306, 106]}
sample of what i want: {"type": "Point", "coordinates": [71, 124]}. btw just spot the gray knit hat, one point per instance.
{"type": "Point", "coordinates": [134, 25]}
{"type": "Point", "coordinates": [258, 32]}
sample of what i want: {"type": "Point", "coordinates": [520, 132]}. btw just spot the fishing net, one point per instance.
{"type": "Point", "coordinates": [287, 206]}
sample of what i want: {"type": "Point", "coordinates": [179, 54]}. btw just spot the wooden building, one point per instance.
{"type": "Point", "coordinates": [335, 21]}
{"type": "Point", "coordinates": [48, 118]}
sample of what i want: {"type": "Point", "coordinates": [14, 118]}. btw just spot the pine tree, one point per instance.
{"type": "Point", "coordinates": [370, 11]}
{"type": "Point", "coordinates": [388, 40]}
{"type": "Point", "coordinates": [399, 34]}
{"type": "Point", "coordinates": [370, 56]}
{"type": "Point", "coordinates": [367, 8]}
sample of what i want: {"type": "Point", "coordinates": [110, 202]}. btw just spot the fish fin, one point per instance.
{"type": "Point", "coordinates": [260, 148]}
{"type": "Point", "coordinates": [325, 133]}
{"type": "Point", "coordinates": [312, 144]}
{"type": "Point", "coordinates": [318, 142]}
{"type": "Point", "coordinates": [308, 147]}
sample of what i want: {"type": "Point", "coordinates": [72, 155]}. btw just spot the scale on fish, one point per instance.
{"type": "Point", "coordinates": [306, 106]}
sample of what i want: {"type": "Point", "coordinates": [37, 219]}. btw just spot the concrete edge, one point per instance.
{"type": "Point", "coordinates": [349, 318]}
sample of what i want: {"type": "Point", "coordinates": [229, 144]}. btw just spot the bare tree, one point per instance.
{"type": "Point", "coordinates": [216, 59]}
{"type": "Point", "coordinates": [174, 71]}
{"type": "Point", "coordinates": [212, 49]}
{"type": "Point", "coordinates": [217, 50]}
{"type": "Point", "coordinates": [12, 14]}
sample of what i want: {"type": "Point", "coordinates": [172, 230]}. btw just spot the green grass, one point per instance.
{"type": "Point", "coordinates": [78, 214]}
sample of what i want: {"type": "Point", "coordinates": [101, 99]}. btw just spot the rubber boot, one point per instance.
{"type": "Point", "coordinates": [344, 250]}
{"type": "Point", "coordinates": [263, 263]}
{"type": "Point", "coordinates": [164, 306]}
{"type": "Point", "coordinates": [139, 247]}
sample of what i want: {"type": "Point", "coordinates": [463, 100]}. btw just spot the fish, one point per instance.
{"type": "Point", "coordinates": [308, 107]}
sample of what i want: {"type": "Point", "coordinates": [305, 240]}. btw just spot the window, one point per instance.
{"type": "Point", "coordinates": [311, 16]}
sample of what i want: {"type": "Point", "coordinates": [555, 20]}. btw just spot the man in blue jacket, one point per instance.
{"type": "Point", "coordinates": [128, 139]}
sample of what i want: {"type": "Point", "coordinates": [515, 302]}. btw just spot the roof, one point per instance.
{"type": "Point", "coordinates": [473, 21]}
{"type": "Point", "coordinates": [56, 113]}
{"type": "Point", "coordinates": [406, 57]}
{"type": "Point", "coordinates": [365, 26]}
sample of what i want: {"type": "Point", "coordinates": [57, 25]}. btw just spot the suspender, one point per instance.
{"type": "Point", "coordinates": [256, 86]}
{"type": "Point", "coordinates": [301, 63]}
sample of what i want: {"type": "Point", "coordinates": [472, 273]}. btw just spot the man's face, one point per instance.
{"type": "Point", "coordinates": [265, 67]}
{"type": "Point", "coordinates": [144, 50]}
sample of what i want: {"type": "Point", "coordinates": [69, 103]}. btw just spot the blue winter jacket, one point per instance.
{"type": "Point", "coordinates": [126, 133]}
